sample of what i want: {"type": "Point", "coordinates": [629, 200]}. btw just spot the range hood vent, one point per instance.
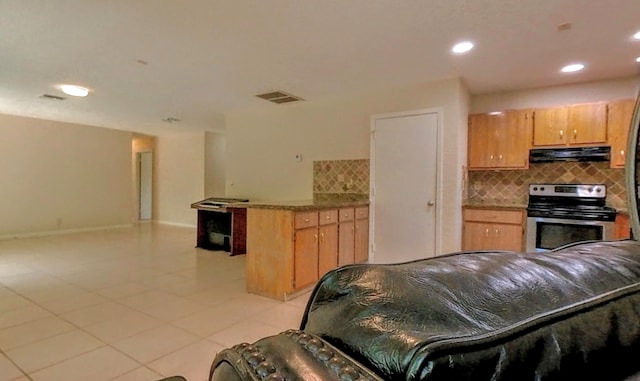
{"type": "Point", "coordinates": [549, 155]}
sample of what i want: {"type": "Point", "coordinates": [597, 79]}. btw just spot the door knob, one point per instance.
{"type": "Point", "coordinates": [431, 203]}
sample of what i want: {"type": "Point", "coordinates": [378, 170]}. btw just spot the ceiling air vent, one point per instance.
{"type": "Point", "coordinates": [279, 97]}
{"type": "Point", "coordinates": [52, 97]}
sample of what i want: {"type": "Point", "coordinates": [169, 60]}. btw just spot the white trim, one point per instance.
{"type": "Point", "coordinates": [62, 232]}
{"type": "Point", "coordinates": [439, 111]}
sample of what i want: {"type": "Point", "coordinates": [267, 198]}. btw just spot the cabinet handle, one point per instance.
{"type": "Point", "coordinates": [500, 157]}
{"type": "Point", "coordinates": [561, 134]}
{"type": "Point", "coordinates": [306, 220]}
{"type": "Point", "coordinates": [316, 237]}
{"type": "Point", "coordinates": [575, 134]}
{"type": "Point", "coordinates": [621, 152]}
{"type": "Point", "coordinates": [486, 233]}
{"type": "Point", "coordinates": [491, 157]}
{"type": "Point", "coordinates": [321, 237]}
{"type": "Point", "coordinates": [497, 232]}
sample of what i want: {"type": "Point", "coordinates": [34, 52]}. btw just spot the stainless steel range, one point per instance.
{"type": "Point", "coordinates": [559, 214]}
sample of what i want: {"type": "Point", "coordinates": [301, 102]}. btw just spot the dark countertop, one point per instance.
{"type": "Point", "coordinates": [300, 205]}
{"type": "Point", "coordinates": [495, 204]}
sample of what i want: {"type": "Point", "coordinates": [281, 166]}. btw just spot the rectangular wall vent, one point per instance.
{"type": "Point", "coordinates": [279, 97]}
{"type": "Point", "coordinates": [52, 97]}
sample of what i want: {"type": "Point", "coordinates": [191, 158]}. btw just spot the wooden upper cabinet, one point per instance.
{"type": "Point", "coordinates": [550, 126]}
{"type": "Point", "coordinates": [618, 123]}
{"type": "Point", "coordinates": [499, 141]}
{"type": "Point", "coordinates": [584, 124]}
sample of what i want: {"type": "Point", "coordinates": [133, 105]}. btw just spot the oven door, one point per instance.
{"type": "Point", "coordinates": [545, 234]}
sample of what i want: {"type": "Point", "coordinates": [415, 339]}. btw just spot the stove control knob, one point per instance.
{"type": "Point", "coordinates": [590, 189]}
{"type": "Point", "coordinates": [535, 189]}
{"type": "Point", "coordinates": [598, 189]}
{"type": "Point", "coordinates": [542, 189]}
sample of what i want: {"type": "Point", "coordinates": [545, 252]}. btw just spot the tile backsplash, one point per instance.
{"type": "Point", "coordinates": [511, 187]}
{"type": "Point", "coordinates": [341, 179]}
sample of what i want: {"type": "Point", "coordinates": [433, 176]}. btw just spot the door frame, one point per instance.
{"type": "Point", "coordinates": [439, 111]}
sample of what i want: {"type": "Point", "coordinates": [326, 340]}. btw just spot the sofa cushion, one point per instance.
{"type": "Point", "coordinates": [487, 315]}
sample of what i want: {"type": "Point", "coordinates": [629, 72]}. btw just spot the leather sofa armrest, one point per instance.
{"type": "Point", "coordinates": [291, 355]}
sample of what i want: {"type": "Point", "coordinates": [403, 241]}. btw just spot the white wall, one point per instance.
{"type": "Point", "coordinates": [59, 176]}
{"type": "Point", "coordinates": [261, 144]}
{"type": "Point", "coordinates": [179, 165]}
{"type": "Point", "coordinates": [214, 164]}
{"type": "Point", "coordinates": [621, 88]}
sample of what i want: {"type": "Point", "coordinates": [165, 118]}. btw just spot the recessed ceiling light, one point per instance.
{"type": "Point", "coordinates": [73, 90]}
{"type": "Point", "coordinates": [462, 47]}
{"type": "Point", "coordinates": [636, 36]}
{"type": "Point", "coordinates": [573, 68]}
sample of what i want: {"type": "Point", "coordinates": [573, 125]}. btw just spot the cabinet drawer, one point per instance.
{"type": "Point", "coordinates": [306, 220]}
{"type": "Point", "coordinates": [346, 214]}
{"type": "Point", "coordinates": [362, 212]}
{"type": "Point", "coordinates": [328, 217]}
{"type": "Point", "coordinates": [500, 216]}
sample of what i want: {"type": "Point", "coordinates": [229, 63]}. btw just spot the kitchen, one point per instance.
{"type": "Point", "coordinates": [537, 193]}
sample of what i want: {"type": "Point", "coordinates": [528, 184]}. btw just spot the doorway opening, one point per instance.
{"type": "Point", "coordinates": [145, 185]}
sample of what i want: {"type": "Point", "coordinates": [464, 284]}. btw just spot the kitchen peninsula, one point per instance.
{"type": "Point", "coordinates": [291, 244]}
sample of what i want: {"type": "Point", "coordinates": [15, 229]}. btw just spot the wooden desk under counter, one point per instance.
{"type": "Point", "coordinates": [290, 245]}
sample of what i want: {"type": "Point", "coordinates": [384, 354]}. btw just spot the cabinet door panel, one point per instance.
{"type": "Point", "coordinates": [346, 243]}
{"type": "Point", "coordinates": [506, 237]}
{"type": "Point", "coordinates": [327, 249]}
{"type": "Point", "coordinates": [477, 236]}
{"type": "Point", "coordinates": [305, 257]}
{"type": "Point", "coordinates": [587, 124]}
{"type": "Point", "coordinates": [482, 141]}
{"type": "Point", "coordinates": [514, 139]}
{"type": "Point", "coordinates": [618, 122]}
{"type": "Point", "coordinates": [361, 252]}
{"type": "Point", "coordinates": [549, 126]}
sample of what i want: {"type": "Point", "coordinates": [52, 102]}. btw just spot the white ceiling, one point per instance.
{"type": "Point", "coordinates": [209, 57]}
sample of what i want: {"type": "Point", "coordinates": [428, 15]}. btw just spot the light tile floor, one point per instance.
{"type": "Point", "coordinates": [126, 304]}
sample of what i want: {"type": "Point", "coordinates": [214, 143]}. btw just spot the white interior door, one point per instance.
{"type": "Point", "coordinates": [145, 170]}
{"type": "Point", "coordinates": [404, 187]}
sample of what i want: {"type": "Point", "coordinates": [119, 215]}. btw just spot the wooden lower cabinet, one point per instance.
{"type": "Point", "coordinates": [346, 240]}
{"type": "Point", "coordinates": [487, 229]}
{"type": "Point", "coordinates": [622, 227]}
{"type": "Point", "coordinates": [361, 251]}
{"type": "Point", "coordinates": [327, 243]}
{"type": "Point", "coordinates": [288, 251]}
{"type": "Point", "coordinates": [305, 260]}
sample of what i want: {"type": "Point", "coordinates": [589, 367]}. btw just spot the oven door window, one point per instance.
{"type": "Point", "coordinates": [552, 235]}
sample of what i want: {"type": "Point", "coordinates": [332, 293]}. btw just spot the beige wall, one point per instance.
{"type": "Point", "coordinates": [621, 88]}
{"type": "Point", "coordinates": [59, 176]}
{"type": "Point", "coordinates": [179, 170]}
{"type": "Point", "coordinates": [262, 144]}
{"type": "Point", "coordinates": [214, 166]}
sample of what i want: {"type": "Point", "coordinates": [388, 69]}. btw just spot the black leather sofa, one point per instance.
{"type": "Point", "coordinates": [573, 313]}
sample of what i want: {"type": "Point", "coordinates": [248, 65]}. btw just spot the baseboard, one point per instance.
{"type": "Point", "coordinates": [61, 232]}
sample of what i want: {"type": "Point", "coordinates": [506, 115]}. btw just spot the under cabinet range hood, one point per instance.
{"type": "Point", "coordinates": [548, 155]}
